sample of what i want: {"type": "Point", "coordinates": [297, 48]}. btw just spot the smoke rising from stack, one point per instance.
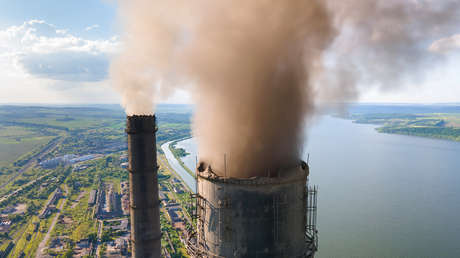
{"type": "Point", "coordinates": [256, 69]}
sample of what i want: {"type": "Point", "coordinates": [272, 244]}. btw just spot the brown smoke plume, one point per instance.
{"type": "Point", "coordinates": [257, 68]}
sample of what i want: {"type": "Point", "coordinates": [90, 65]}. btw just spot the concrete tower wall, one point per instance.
{"type": "Point", "coordinates": [257, 217]}
{"type": "Point", "coordinates": [143, 180]}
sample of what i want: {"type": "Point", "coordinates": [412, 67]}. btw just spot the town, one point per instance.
{"type": "Point", "coordinates": [71, 198]}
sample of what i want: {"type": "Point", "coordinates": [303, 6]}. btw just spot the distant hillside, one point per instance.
{"type": "Point", "coordinates": [433, 125]}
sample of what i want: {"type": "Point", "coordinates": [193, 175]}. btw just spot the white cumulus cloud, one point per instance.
{"type": "Point", "coordinates": [42, 50]}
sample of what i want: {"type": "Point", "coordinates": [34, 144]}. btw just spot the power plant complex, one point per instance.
{"type": "Point", "coordinates": [272, 216]}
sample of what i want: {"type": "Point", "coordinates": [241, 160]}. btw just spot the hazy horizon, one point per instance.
{"type": "Point", "coordinates": [68, 104]}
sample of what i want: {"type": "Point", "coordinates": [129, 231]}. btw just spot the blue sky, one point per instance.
{"type": "Point", "coordinates": [59, 52]}
{"type": "Point", "coordinates": [75, 15]}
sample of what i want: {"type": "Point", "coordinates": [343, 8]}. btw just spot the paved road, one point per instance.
{"type": "Point", "coordinates": [42, 246]}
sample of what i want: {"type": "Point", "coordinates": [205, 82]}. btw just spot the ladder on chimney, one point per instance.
{"type": "Point", "coordinates": [196, 245]}
{"type": "Point", "coordinates": [311, 231]}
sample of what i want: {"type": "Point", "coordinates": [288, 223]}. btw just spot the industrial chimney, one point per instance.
{"type": "Point", "coordinates": [143, 185]}
{"type": "Point", "coordinates": [271, 216]}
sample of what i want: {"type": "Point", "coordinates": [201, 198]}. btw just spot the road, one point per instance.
{"type": "Point", "coordinates": [99, 236]}
{"type": "Point", "coordinates": [48, 148]}
{"type": "Point", "coordinates": [42, 246]}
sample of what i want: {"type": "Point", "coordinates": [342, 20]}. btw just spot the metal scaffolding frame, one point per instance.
{"type": "Point", "coordinates": [197, 247]}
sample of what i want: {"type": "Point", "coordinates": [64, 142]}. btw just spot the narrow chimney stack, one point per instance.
{"type": "Point", "coordinates": [143, 185]}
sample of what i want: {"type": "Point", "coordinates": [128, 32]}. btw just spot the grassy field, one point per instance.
{"type": "Point", "coordinates": [15, 141]}
{"type": "Point", "coordinates": [22, 128]}
{"type": "Point", "coordinates": [31, 238]}
{"type": "Point", "coordinates": [453, 120]}
{"type": "Point", "coordinates": [77, 221]}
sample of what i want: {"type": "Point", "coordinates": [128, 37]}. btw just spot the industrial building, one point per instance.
{"type": "Point", "coordinates": [92, 197]}
{"type": "Point", "coordinates": [49, 206]}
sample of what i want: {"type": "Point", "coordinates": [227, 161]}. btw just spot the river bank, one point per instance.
{"type": "Point", "coordinates": [173, 149]}
{"type": "Point", "coordinates": [174, 163]}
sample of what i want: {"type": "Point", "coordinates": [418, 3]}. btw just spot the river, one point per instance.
{"type": "Point", "coordinates": [380, 195]}
{"type": "Point", "coordinates": [186, 177]}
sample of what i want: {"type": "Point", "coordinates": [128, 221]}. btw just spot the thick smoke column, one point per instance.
{"type": "Point", "coordinates": [251, 65]}
{"type": "Point", "coordinates": [249, 62]}
{"type": "Point", "coordinates": [257, 68]}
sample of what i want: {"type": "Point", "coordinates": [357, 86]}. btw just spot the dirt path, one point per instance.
{"type": "Point", "coordinates": [42, 246]}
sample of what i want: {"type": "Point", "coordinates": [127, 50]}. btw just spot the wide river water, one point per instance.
{"type": "Point", "coordinates": [380, 195]}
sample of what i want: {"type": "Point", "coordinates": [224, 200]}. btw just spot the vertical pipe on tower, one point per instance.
{"type": "Point", "coordinates": [143, 185]}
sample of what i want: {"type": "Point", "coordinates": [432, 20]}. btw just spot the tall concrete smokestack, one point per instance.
{"type": "Point", "coordinates": [267, 216]}
{"type": "Point", "coordinates": [143, 181]}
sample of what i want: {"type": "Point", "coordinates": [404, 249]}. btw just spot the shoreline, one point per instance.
{"type": "Point", "coordinates": [187, 169]}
